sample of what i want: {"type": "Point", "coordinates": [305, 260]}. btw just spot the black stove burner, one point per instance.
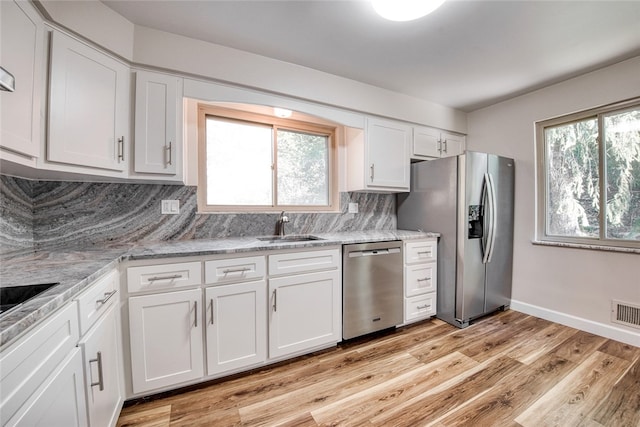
{"type": "Point", "coordinates": [12, 296]}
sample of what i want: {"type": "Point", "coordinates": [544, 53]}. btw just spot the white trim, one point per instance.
{"type": "Point", "coordinates": [601, 329]}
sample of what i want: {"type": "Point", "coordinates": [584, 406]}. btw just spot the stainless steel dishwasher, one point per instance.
{"type": "Point", "coordinates": [372, 287]}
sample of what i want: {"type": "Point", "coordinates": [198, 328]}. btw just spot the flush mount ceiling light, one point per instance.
{"type": "Point", "coordinates": [282, 112]}
{"type": "Point", "coordinates": [405, 10]}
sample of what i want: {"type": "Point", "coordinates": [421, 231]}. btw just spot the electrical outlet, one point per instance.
{"type": "Point", "coordinates": [353, 208]}
{"type": "Point", "coordinates": [170, 207]}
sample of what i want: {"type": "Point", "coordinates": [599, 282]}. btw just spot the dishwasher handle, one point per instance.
{"type": "Point", "coordinates": [373, 252]}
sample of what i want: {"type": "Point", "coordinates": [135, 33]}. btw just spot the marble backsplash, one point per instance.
{"type": "Point", "coordinates": [48, 214]}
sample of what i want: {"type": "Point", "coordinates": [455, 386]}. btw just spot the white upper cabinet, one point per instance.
{"type": "Point", "coordinates": [21, 55]}
{"type": "Point", "coordinates": [88, 106]}
{"type": "Point", "coordinates": [378, 158]}
{"type": "Point", "coordinates": [430, 143]}
{"type": "Point", "coordinates": [158, 123]}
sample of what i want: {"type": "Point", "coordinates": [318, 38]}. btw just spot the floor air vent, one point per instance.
{"type": "Point", "coordinates": [625, 313]}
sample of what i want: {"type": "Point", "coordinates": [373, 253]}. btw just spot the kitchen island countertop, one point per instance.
{"type": "Point", "coordinates": [78, 268]}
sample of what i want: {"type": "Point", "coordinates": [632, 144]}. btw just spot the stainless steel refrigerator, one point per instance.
{"type": "Point", "coordinates": [469, 199]}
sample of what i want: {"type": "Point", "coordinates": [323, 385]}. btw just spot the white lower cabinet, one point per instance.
{"type": "Point", "coordinates": [101, 359]}
{"type": "Point", "coordinates": [42, 377]}
{"type": "Point", "coordinates": [236, 320]}
{"type": "Point", "coordinates": [166, 339]}
{"type": "Point", "coordinates": [60, 400]}
{"type": "Point", "coordinates": [420, 279]}
{"type": "Point", "coordinates": [305, 312]}
{"type": "Point", "coordinates": [250, 316]}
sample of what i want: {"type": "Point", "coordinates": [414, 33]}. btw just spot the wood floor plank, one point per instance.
{"type": "Point", "coordinates": [569, 402]}
{"type": "Point", "coordinates": [513, 393]}
{"type": "Point", "coordinates": [357, 408]}
{"type": "Point", "coordinates": [431, 405]}
{"type": "Point", "coordinates": [158, 416]}
{"type": "Point", "coordinates": [330, 389]}
{"type": "Point", "coordinates": [529, 350]}
{"type": "Point", "coordinates": [622, 406]}
{"type": "Point", "coordinates": [621, 350]}
{"type": "Point", "coordinates": [495, 342]}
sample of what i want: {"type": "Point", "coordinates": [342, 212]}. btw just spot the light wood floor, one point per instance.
{"type": "Point", "coordinates": [509, 369]}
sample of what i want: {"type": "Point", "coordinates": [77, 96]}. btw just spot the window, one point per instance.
{"type": "Point", "coordinates": [255, 162]}
{"type": "Point", "coordinates": [589, 177]}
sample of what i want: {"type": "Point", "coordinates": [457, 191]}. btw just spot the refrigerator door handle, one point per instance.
{"type": "Point", "coordinates": [489, 213]}
{"type": "Point", "coordinates": [494, 217]}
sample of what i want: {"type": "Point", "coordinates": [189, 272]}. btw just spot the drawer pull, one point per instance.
{"type": "Point", "coordinates": [275, 300]}
{"type": "Point", "coordinates": [236, 270]}
{"type": "Point", "coordinates": [174, 276]}
{"type": "Point", "coordinates": [98, 360]}
{"type": "Point", "coordinates": [107, 297]}
{"type": "Point", "coordinates": [212, 311]}
{"type": "Point", "coordinates": [422, 307]}
{"type": "Point", "coordinates": [195, 310]}
{"type": "Point", "coordinates": [424, 279]}
{"type": "Point", "coordinates": [424, 252]}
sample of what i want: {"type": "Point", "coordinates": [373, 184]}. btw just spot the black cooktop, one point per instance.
{"type": "Point", "coordinates": [12, 296]}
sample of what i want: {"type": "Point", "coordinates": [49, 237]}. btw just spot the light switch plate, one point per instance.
{"type": "Point", "coordinates": [170, 207]}
{"type": "Point", "coordinates": [353, 208]}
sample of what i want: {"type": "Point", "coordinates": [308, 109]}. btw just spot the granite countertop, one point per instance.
{"type": "Point", "coordinates": [77, 269]}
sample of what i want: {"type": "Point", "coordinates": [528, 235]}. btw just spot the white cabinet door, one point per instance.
{"type": "Point", "coordinates": [101, 357]}
{"type": "Point", "coordinates": [60, 400]}
{"type": "Point", "coordinates": [304, 312]}
{"type": "Point", "coordinates": [433, 143]}
{"type": "Point", "coordinates": [88, 106]}
{"type": "Point", "coordinates": [166, 339]}
{"type": "Point", "coordinates": [21, 55]}
{"type": "Point", "coordinates": [426, 142]}
{"type": "Point", "coordinates": [158, 123]}
{"type": "Point", "coordinates": [452, 144]}
{"type": "Point", "coordinates": [236, 317]}
{"type": "Point", "coordinates": [387, 153]}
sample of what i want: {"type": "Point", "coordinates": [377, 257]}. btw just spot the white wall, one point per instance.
{"type": "Point", "coordinates": [572, 286]}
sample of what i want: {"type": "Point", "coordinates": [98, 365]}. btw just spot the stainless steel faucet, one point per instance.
{"type": "Point", "coordinates": [281, 222]}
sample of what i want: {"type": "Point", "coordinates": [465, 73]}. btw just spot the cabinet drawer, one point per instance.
{"type": "Point", "coordinates": [152, 277]}
{"type": "Point", "coordinates": [234, 270]}
{"type": "Point", "coordinates": [96, 300]}
{"type": "Point", "coordinates": [27, 363]}
{"type": "Point", "coordinates": [419, 307]}
{"type": "Point", "coordinates": [423, 251]}
{"type": "Point", "coordinates": [300, 262]}
{"type": "Point", "coordinates": [420, 279]}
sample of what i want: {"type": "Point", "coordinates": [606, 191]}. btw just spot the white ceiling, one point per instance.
{"type": "Point", "coordinates": [465, 55]}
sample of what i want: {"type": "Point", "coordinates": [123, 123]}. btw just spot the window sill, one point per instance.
{"type": "Point", "coordinates": [585, 246]}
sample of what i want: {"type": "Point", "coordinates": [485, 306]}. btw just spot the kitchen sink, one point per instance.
{"type": "Point", "coordinates": [291, 238]}
{"type": "Point", "coordinates": [12, 296]}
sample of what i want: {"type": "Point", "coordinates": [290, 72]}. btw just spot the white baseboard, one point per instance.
{"type": "Point", "coordinates": [601, 329]}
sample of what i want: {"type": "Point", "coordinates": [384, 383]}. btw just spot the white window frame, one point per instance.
{"type": "Point", "coordinates": [331, 132]}
{"type": "Point", "coordinates": [542, 174]}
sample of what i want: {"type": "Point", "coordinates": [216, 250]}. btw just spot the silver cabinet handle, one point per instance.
{"type": "Point", "coordinates": [169, 155]}
{"type": "Point", "coordinates": [236, 270]}
{"type": "Point", "coordinates": [420, 307]}
{"type": "Point", "coordinates": [100, 382]}
{"type": "Point", "coordinates": [440, 146]}
{"type": "Point", "coordinates": [195, 310]}
{"type": "Point", "coordinates": [425, 279]}
{"type": "Point", "coordinates": [107, 297]}
{"type": "Point", "coordinates": [424, 252]}
{"type": "Point", "coordinates": [154, 278]}
{"type": "Point", "coordinates": [372, 168]}
{"type": "Point", "coordinates": [211, 302]}
{"type": "Point", "coordinates": [121, 148]}
{"type": "Point", "coordinates": [275, 300]}
{"type": "Point", "coordinates": [445, 145]}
